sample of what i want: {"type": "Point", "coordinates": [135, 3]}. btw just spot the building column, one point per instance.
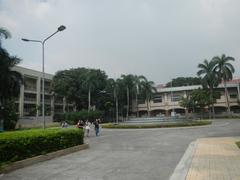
{"type": "Point", "coordinates": [238, 92]}
{"type": "Point", "coordinates": [21, 101]}
{"type": "Point", "coordinates": [38, 96]}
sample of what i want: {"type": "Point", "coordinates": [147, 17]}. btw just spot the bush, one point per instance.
{"type": "Point", "coordinates": [162, 125]}
{"type": "Point", "coordinates": [19, 145]}
{"type": "Point", "coordinates": [73, 117]}
{"type": "Point", "coordinates": [238, 144]}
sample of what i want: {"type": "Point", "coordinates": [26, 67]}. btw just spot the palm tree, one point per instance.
{"type": "Point", "coordinates": [4, 33]}
{"type": "Point", "coordinates": [209, 78]}
{"type": "Point", "coordinates": [137, 86]}
{"type": "Point", "coordinates": [128, 81]}
{"type": "Point", "coordinates": [225, 71]}
{"type": "Point", "coordinates": [115, 87]}
{"type": "Point", "coordinates": [10, 80]}
{"type": "Point", "coordinates": [91, 83]}
{"type": "Point", "coordinates": [148, 90]}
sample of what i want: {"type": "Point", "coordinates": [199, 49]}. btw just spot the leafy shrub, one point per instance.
{"type": "Point", "coordinates": [238, 144]}
{"type": "Point", "coordinates": [73, 117]}
{"type": "Point", "coordinates": [19, 145]}
{"type": "Point", "coordinates": [162, 125]}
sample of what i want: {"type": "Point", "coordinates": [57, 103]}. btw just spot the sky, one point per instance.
{"type": "Point", "coordinates": [160, 39]}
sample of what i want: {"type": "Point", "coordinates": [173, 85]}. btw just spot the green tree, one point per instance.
{"type": "Point", "coordinates": [80, 85]}
{"type": "Point", "coordinates": [200, 99]}
{"type": "Point", "coordinates": [225, 70]}
{"type": "Point", "coordinates": [148, 89]}
{"type": "Point", "coordinates": [114, 87]}
{"type": "Point", "coordinates": [10, 81]}
{"type": "Point", "coordinates": [94, 82]}
{"type": "Point", "coordinates": [184, 81]}
{"type": "Point", "coordinates": [137, 81]}
{"type": "Point", "coordinates": [187, 102]}
{"type": "Point", "coordinates": [4, 33]}
{"type": "Point", "coordinates": [128, 81]}
{"type": "Point", "coordinates": [209, 78]}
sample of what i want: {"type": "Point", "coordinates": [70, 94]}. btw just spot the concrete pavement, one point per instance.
{"type": "Point", "coordinates": [126, 154]}
{"type": "Point", "coordinates": [215, 159]}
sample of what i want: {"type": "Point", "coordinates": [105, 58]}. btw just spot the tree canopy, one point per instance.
{"type": "Point", "coordinates": [184, 81]}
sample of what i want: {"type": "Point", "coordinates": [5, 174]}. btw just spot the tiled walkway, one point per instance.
{"type": "Point", "coordinates": [215, 159]}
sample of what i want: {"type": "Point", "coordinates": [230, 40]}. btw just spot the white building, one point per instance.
{"type": "Point", "coordinates": [30, 100]}
{"type": "Point", "coordinates": [167, 99]}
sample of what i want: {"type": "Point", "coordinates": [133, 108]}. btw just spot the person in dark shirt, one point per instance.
{"type": "Point", "coordinates": [80, 124]}
{"type": "Point", "coordinates": [96, 124]}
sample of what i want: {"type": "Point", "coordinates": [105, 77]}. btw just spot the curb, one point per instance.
{"type": "Point", "coordinates": [30, 161]}
{"type": "Point", "coordinates": [184, 164]}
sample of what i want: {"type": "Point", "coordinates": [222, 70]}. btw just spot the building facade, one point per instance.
{"type": "Point", "coordinates": [29, 103]}
{"type": "Point", "coordinates": [166, 100]}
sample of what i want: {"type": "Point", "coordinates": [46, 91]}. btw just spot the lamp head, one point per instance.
{"type": "Point", "coordinates": [61, 28]}
{"type": "Point", "coordinates": [25, 39]}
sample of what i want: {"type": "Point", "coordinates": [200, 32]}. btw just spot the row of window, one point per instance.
{"type": "Point", "coordinates": [176, 97]}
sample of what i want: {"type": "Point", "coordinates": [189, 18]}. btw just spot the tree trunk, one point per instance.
{"type": "Point", "coordinates": [226, 96]}
{"type": "Point", "coordinates": [212, 103]}
{"type": "Point", "coordinates": [137, 105]}
{"type": "Point", "coordinates": [89, 99]}
{"type": "Point", "coordinates": [116, 109]}
{"type": "Point", "coordinates": [127, 103]}
{"type": "Point", "coordinates": [148, 109]}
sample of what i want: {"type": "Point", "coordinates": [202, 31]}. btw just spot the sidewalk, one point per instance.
{"type": "Point", "coordinates": [215, 159]}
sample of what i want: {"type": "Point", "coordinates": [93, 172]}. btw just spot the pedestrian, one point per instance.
{"type": "Point", "coordinates": [64, 124]}
{"type": "Point", "coordinates": [80, 124]}
{"type": "Point", "coordinates": [96, 124]}
{"type": "Point", "coordinates": [87, 127]}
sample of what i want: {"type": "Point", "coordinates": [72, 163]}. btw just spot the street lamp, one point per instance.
{"type": "Point", "coordinates": [60, 28]}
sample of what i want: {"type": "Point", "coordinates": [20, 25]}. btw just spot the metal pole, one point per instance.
{"type": "Point", "coordinates": [43, 88]}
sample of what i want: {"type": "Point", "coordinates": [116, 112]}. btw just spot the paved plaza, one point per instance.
{"type": "Point", "coordinates": [214, 159]}
{"type": "Point", "coordinates": [128, 154]}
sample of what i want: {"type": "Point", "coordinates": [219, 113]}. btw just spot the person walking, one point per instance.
{"type": "Point", "coordinates": [87, 127]}
{"type": "Point", "coordinates": [96, 124]}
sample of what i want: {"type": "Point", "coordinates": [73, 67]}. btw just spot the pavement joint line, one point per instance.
{"type": "Point", "coordinates": [181, 170]}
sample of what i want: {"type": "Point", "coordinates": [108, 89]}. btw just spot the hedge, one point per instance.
{"type": "Point", "coordinates": [238, 144]}
{"type": "Point", "coordinates": [162, 125]}
{"type": "Point", "coordinates": [20, 145]}
{"type": "Point", "coordinates": [73, 117]}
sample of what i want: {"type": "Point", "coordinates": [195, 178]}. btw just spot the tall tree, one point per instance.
{"type": "Point", "coordinates": [114, 86]}
{"type": "Point", "coordinates": [137, 81]}
{"type": "Point", "coordinates": [184, 81]}
{"type": "Point", "coordinates": [225, 70]}
{"type": "Point", "coordinates": [209, 78]}
{"type": "Point", "coordinates": [128, 81]}
{"type": "Point", "coordinates": [4, 33]}
{"type": "Point", "coordinates": [79, 85]}
{"type": "Point", "coordinates": [148, 89]}
{"type": "Point", "coordinates": [10, 80]}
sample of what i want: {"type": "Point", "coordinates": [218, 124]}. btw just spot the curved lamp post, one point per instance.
{"type": "Point", "coordinates": [60, 28]}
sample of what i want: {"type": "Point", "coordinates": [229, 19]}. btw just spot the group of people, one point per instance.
{"type": "Point", "coordinates": [87, 126]}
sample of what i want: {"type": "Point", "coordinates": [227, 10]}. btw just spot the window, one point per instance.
{"type": "Point", "coordinates": [233, 96]}
{"type": "Point", "coordinates": [176, 97]}
{"type": "Point", "coordinates": [157, 98]}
